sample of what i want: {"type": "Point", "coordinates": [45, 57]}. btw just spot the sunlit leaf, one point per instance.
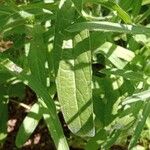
{"type": "Point", "coordinates": [29, 124]}
{"type": "Point", "coordinates": [109, 27]}
{"type": "Point", "coordinates": [73, 74]}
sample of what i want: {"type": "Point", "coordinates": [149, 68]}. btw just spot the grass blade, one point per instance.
{"type": "Point", "coordinates": [140, 125]}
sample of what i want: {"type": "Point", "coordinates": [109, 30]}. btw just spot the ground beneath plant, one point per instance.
{"type": "Point", "coordinates": [40, 139]}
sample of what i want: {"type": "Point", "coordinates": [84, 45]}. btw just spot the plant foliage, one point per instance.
{"type": "Point", "coordinates": [91, 56]}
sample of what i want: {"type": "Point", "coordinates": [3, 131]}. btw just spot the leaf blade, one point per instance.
{"type": "Point", "coordinates": [109, 27]}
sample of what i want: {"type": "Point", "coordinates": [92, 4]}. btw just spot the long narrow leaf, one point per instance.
{"type": "Point", "coordinates": [110, 4]}
{"type": "Point", "coordinates": [142, 96]}
{"type": "Point", "coordinates": [56, 133]}
{"type": "Point", "coordinates": [28, 126]}
{"type": "Point", "coordinates": [140, 125]}
{"type": "Point", "coordinates": [109, 27]}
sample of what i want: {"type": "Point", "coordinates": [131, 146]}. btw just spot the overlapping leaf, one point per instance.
{"type": "Point", "coordinates": [73, 74]}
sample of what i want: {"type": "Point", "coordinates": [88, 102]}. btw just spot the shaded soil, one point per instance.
{"type": "Point", "coordinates": [40, 139]}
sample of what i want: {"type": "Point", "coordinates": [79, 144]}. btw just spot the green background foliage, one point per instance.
{"type": "Point", "coordinates": [92, 55]}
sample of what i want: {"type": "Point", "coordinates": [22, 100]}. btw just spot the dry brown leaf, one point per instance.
{"type": "Point", "coordinates": [4, 45]}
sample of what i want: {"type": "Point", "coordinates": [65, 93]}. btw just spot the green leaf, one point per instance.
{"type": "Point", "coordinates": [56, 41]}
{"type": "Point", "coordinates": [74, 86]}
{"type": "Point", "coordinates": [109, 27]}
{"type": "Point", "coordinates": [37, 60]}
{"type": "Point", "coordinates": [4, 76]}
{"type": "Point", "coordinates": [136, 7]}
{"type": "Point", "coordinates": [104, 98]}
{"type": "Point", "coordinates": [37, 55]}
{"type": "Point", "coordinates": [121, 13]}
{"type": "Point", "coordinates": [130, 75]}
{"type": "Point", "coordinates": [57, 133]}
{"type": "Point", "coordinates": [110, 4]}
{"type": "Point", "coordinates": [16, 90]}
{"type": "Point", "coordinates": [141, 96]}
{"type": "Point", "coordinates": [145, 2]}
{"type": "Point", "coordinates": [29, 124]}
{"type": "Point", "coordinates": [73, 74]}
{"type": "Point", "coordinates": [95, 142]}
{"type": "Point", "coordinates": [111, 139]}
{"type": "Point", "coordinates": [140, 125]}
{"type": "Point", "coordinates": [107, 3]}
{"type": "Point", "coordinates": [39, 6]}
{"type": "Point", "coordinates": [126, 5]}
{"type": "Point", "coordinates": [78, 5]}
{"type": "Point", "coordinates": [51, 127]}
{"type": "Point", "coordinates": [117, 55]}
